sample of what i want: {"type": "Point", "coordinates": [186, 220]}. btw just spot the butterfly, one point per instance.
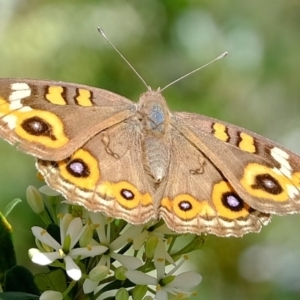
{"type": "Point", "coordinates": [140, 161]}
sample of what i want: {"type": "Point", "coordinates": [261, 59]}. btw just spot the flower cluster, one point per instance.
{"type": "Point", "coordinates": [97, 257]}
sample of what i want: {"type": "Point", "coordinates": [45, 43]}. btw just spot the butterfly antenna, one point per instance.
{"type": "Point", "coordinates": [196, 70]}
{"type": "Point", "coordinates": [128, 63]}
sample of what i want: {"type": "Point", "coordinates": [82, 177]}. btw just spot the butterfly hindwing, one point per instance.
{"type": "Point", "coordinates": [106, 175]}
{"type": "Point", "coordinates": [198, 198]}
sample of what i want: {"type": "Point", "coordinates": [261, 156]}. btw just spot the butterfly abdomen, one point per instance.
{"type": "Point", "coordinates": [156, 158]}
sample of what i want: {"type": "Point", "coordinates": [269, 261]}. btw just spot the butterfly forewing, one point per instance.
{"type": "Point", "coordinates": [51, 120]}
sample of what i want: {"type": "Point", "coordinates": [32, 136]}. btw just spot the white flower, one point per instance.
{"type": "Point", "coordinates": [102, 226]}
{"type": "Point", "coordinates": [70, 232]}
{"type": "Point", "coordinates": [129, 262]}
{"type": "Point", "coordinates": [159, 232]}
{"type": "Point", "coordinates": [165, 283]}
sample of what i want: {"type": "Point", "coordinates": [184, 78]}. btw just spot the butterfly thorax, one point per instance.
{"type": "Point", "coordinates": [154, 113]}
{"type": "Point", "coordinates": [155, 117]}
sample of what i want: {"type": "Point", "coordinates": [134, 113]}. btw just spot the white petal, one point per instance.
{"type": "Point", "coordinates": [72, 269]}
{"type": "Point", "coordinates": [129, 262]}
{"type": "Point", "coordinates": [104, 261]}
{"type": "Point", "coordinates": [45, 189]}
{"type": "Point", "coordinates": [42, 235]}
{"type": "Point", "coordinates": [164, 229]}
{"type": "Point", "coordinates": [126, 236]}
{"type": "Point", "coordinates": [169, 258]}
{"type": "Point", "coordinates": [103, 296]}
{"type": "Point", "coordinates": [179, 264]}
{"type": "Point", "coordinates": [89, 286]}
{"type": "Point", "coordinates": [87, 251]}
{"type": "Point", "coordinates": [186, 280]}
{"type": "Point", "coordinates": [98, 219]}
{"type": "Point", "coordinates": [162, 249]}
{"type": "Point", "coordinates": [44, 259]}
{"type": "Point", "coordinates": [51, 295]}
{"type": "Point", "coordinates": [77, 238]}
{"type": "Point", "coordinates": [159, 259]}
{"type": "Point", "coordinates": [74, 230]}
{"type": "Point", "coordinates": [64, 224]}
{"type": "Point", "coordinates": [140, 278]}
{"type": "Point", "coordinates": [161, 295]}
{"type": "Point", "coordinates": [140, 239]}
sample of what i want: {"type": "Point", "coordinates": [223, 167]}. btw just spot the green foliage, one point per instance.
{"type": "Point", "coordinates": [54, 280]}
{"type": "Point", "coordinates": [19, 279]}
{"type": "Point", "coordinates": [7, 251]}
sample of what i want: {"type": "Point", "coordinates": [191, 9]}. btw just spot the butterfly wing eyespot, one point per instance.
{"type": "Point", "coordinates": [186, 207]}
{"type": "Point", "coordinates": [38, 127]}
{"type": "Point", "coordinates": [262, 182]}
{"type": "Point", "coordinates": [228, 203]}
{"type": "Point", "coordinates": [274, 191]}
{"type": "Point", "coordinates": [125, 194]}
{"type": "Point", "coordinates": [41, 128]}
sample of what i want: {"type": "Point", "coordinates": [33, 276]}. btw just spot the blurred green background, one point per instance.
{"type": "Point", "coordinates": [256, 86]}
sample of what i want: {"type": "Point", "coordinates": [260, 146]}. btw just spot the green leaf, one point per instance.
{"type": "Point", "coordinates": [20, 279]}
{"type": "Point", "coordinates": [7, 251]}
{"type": "Point", "coordinates": [10, 206]}
{"type": "Point", "coordinates": [17, 296]}
{"type": "Point", "coordinates": [54, 280]}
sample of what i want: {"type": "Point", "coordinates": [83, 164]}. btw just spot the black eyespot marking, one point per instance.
{"type": "Point", "coordinates": [232, 201]}
{"type": "Point", "coordinates": [78, 168]}
{"type": "Point", "coordinates": [127, 194]}
{"type": "Point", "coordinates": [185, 205]}
{"type": "Point", "coordinates": [268, 184]}
{"type": "Point", "coordinates": [38, 127]}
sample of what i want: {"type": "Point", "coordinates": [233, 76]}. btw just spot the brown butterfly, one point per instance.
{"type": "Point", "coordinates": [140, 161]}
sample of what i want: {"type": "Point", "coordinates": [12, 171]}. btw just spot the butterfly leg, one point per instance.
{"type": "Point", "coordinates": [200, 169]}
{"type": "Point", "coordinates": [106, 141]}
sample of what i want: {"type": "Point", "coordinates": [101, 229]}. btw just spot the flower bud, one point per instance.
{"type": "Point", "coordinates": [35, 200]}
{"type": "Point", "coordinates": [120, 273]}
{"type": "Point", "coordinates": [98, 273]}
{"type": "Point", "coordinates": [151, 246]}
{"type": "Point", "coordinates": [139, 292]}
{"type": "Point", "coordinates": [122, 294]}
